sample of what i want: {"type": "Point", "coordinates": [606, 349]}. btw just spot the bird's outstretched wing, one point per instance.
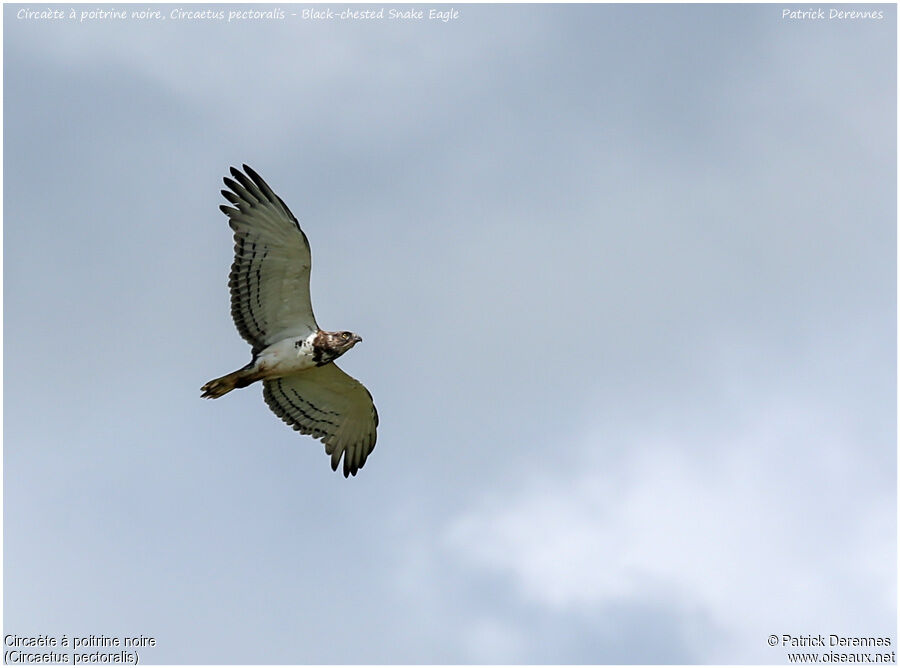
{"type": "Point", "coordinates": [269, 279]}
{"type": "Point", "coordinates": [327, 404]}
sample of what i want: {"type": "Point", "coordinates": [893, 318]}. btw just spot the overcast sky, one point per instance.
{"type": "Point", "coordinates": [626, 281]}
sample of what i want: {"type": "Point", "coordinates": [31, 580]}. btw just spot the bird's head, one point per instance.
{"type": "Point", "coordinates": [345, 340]}
{"type": "Point", "coordinates": [328, 346]}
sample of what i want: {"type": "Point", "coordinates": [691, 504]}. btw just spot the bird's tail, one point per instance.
{"type": "Point", "coordinates": [221, 386]}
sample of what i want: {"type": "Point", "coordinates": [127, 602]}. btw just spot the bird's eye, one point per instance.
{"type": "Point", "coordinates": [345, 335]}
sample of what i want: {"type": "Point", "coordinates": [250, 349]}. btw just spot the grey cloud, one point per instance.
{"type": "Point", "coordinates": [569, 235]}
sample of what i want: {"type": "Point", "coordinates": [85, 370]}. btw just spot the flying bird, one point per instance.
{"type": "Point", "coordinates": [272, 311]}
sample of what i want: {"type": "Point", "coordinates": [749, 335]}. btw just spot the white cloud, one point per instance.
{"type": "Point", "coordinates": [766, 535]}
{"type": "Point", "coordinates": [491, 640]}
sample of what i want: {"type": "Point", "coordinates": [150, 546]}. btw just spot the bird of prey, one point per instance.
{"type": "Point", "coordinates": [272, 311]}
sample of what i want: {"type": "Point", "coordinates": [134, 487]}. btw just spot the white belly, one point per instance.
{"type": "Point", "coordinates": [286, 357]}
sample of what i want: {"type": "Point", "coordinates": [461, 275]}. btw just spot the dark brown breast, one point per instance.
{"type": "Point", "coordinates": [327, 347]}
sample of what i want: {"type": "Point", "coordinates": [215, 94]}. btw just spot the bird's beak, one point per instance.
{"type": "Point", "coordinates": [357, 338]}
